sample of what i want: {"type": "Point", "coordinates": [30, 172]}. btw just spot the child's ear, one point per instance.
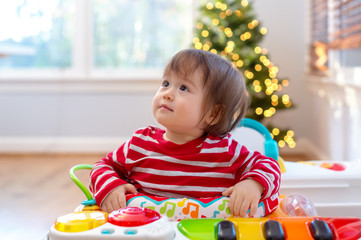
{"type": "Point", "coordinates": [215, 115]}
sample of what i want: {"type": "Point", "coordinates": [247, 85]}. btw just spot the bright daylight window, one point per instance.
{"type": "Point", "coordinates": [336, 34]}
{"type": "Point", "coordinates": [121, 34]}
{"type": "Point", "coordinates": [36, 34]}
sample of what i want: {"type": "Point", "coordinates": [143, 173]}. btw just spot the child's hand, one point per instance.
{"type": "Point", "coordinates": [243, 196]}
{"type": "Point", "coordinates": [116, 198]}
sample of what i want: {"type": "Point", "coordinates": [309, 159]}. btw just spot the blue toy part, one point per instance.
{"type": "Point", "coordinates": [270, 145]}
{"type": "Point", "coordinates": [89, 202]}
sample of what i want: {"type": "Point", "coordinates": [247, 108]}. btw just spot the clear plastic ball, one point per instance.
{"type": "Point", "coordinates": [298, 205]}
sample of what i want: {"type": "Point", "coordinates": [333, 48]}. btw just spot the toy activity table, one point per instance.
{"type": "Point", "coordinates": [333, 213]}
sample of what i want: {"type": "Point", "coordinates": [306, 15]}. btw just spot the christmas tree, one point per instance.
{"type": "Point", "coordinates": [230, 29]}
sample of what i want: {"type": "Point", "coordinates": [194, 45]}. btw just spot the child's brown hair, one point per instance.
{"type": "Point", "coordinates": [225, 90]}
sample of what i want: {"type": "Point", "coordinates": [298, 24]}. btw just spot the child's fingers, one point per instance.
{"type": "Point", "coordinates": [237, 206]}
{"type": "Point", "coordinates": [114, 206]}
{"type": "Point", "coordinates": [121, 201]}
{"type": "Point", "coordinates": [105, 207]}
{"type": "Point", "coordinates": [253, 209]}
{"type": "Point", "coordinates": [244, 208]}
{"type": "Point", "coordinates": [233, 207]}
{"type": "Point", "coordinates": [227, 192]}
{"type": "Point", "coordinates": [130, 188]}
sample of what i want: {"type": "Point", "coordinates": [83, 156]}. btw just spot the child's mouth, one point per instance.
{"type": "Point", "coordinates": [165, 107]}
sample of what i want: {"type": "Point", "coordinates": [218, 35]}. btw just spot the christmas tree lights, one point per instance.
{"type": "Point", "coordinates": [230, 28]}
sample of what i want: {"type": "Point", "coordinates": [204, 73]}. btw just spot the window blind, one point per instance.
{"type": "Point", "coordinates": [319, 36]}
{"type": "Point", "coordinates": [345, 27]}
{"type": "Point", "coordinates": [335, 25]}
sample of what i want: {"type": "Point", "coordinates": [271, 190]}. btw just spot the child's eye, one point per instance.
{"type": "Point", "coordinates": [184, 88]}
{"type": "Point", "coordinates": [165, 83]}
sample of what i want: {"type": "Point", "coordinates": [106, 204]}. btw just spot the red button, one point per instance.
{"type": "Point", "coordinates": [133, 216]}
{"type": "Point", "coordinates": [338, 167]}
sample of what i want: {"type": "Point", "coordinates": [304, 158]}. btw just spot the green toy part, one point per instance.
{"type": "Point", "coordinates": [78, 182]}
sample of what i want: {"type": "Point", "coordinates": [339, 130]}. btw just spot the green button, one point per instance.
{"type": "Point", "coordinates": [199, 229]}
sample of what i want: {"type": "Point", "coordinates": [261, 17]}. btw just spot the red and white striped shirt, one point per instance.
{"type": "Point", "coordinates": [204, 167]}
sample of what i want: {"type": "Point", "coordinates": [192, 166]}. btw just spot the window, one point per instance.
{"type": "Point", "coordinates": [336, 54]}
{"type": "Point", "coordinates": [336, 34]}
{"type": "Point", "coordinates": [41, 34]}
{"type": "Point", "coordinates": [138, 33]}
{"type": "Point", "coordinates": [319, 34]}
{"type": "Point", "coordinates": [84, 36]}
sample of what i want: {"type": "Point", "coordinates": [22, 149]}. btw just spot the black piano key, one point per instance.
{"type": "Point", "coordinates": [320, 230]}
{"type": "Point", "coordinates": [273, 230]}
{"type": "Point", "coordinates": [226, 231]}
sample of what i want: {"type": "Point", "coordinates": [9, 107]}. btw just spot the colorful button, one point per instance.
{"type": "Point", "coordinates": [130, 232]}
{"type": "Point", "coordinates": [333, 166]}
{"type": "Point", "coordinates": [249, 228]}
{"type": "Point", "coordinates": [200, 229]}
{"type": "Point", "coordinates": [133, 216]}
{"type": "Point", "coordinates": [80, 221]}
{"type": "Point", "coordinates": [107, 231]}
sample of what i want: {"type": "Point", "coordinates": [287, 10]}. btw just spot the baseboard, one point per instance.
{"type": "Point", "coordinates": [306, 148]}
{"type": "Point", "coordinates": [59, 145]}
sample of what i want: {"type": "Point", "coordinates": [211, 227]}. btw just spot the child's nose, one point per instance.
{"type": "Point", "coordinates": [168, 95]}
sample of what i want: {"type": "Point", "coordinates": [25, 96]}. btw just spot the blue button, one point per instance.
{"type": "Point", "coordinates": [107, 231]}
{"type": "Point", "coordinates": [130, 232]}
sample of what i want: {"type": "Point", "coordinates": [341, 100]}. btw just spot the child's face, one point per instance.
{"type": "Point", "coordinates": [178, 104]}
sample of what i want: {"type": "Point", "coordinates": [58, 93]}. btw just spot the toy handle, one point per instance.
{"type": "Point", "coordinates": [270, 145]}
{"type": "Point", "coordinates": [78, 182]}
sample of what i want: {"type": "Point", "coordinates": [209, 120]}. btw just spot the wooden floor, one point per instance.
{"type": "Point", "coordinates": [36, 189]}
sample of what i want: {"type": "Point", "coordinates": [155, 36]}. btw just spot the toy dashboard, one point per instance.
{"type": "Point", "coordinates": [143, 223]}
{"type": "Point", "coordinates": [295, 218]}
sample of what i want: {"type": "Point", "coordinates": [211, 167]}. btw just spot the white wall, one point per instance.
{"type": "Point", "coordinates": [42, 122]}
{"type": "Point", "coordinates": [328, 113]}
{"type": "Point", "coordinates": [28, 117]}
{"type": "Point", "coordinates": [287, 41]}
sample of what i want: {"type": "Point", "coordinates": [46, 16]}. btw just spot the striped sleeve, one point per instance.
{"type": "Point", "coordinates": [108, 174]}
{"type": "Point", "coordinates": [254, 165]}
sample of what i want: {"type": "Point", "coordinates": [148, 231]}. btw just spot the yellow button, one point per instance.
{"type": "Point", "coordinates": [249, 228]}
{"type": "Point", "coordinates": [81, 221]}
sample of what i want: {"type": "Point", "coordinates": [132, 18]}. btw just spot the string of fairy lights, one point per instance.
{"type": "Point", "coordinates": [271, 85]}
